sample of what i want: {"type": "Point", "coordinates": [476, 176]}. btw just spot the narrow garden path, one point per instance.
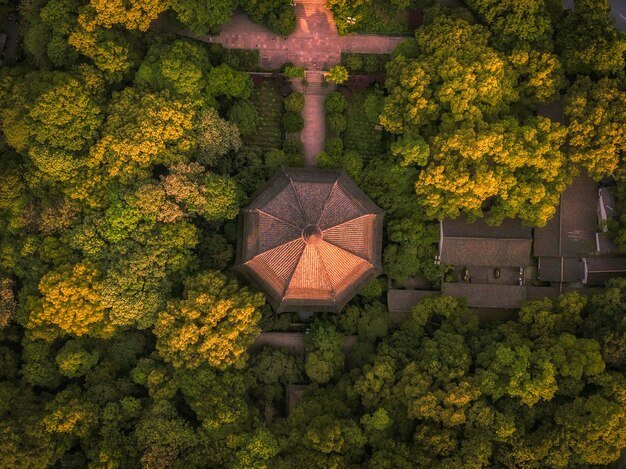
{"type": "Point", "coordinates": [313, 135]}
{"type": "Point", "coordinates": [314, 45]}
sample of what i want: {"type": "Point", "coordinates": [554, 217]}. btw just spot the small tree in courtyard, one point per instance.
{"type": "Point", "coordinates": [338, 74]}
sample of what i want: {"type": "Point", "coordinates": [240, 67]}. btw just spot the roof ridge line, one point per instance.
{"type": "Point", "coordinates": [270, 250]}
{"type": "Point", "coordinates": [330, 192]}
{"type": "Point", "coordinates": [349, 220]}
{"type": "Point", "coordinates": [295, 192]}
{"type": "Point", "coordinates": [276, 218]}
{"type": "Point", "coordinates": [330, 282]}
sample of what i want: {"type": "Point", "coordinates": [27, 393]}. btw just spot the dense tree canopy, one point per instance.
{"type": "Point", "coordinates": [125, 156]}
{"type": "Point", "coordinates": [597, 115]}
{"type": "Point", "coordinates": [452, 107]}
{"type": "Point", "coordinates": [214, 323]}
{"type": "Point", "coordinates": [516, 24]}
{"type": "Point", "coordinates": [588, 41]}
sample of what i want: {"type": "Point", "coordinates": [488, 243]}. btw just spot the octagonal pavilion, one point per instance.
{"type": "Point", "coordinates": [310, 239]}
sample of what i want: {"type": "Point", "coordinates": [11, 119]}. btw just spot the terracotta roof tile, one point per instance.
{"type": "Point", "coordinates": [310, 239]}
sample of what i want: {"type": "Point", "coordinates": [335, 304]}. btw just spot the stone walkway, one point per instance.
{"type": "Point", "coordinates": [314, 45]}
{"type": "Point", "coordinates": [313, 134]}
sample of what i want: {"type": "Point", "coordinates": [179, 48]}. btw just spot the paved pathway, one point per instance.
{"type": "Point", "coordinates": [314, 45]}
{"type": "Point", "coordinates": [313, 134]}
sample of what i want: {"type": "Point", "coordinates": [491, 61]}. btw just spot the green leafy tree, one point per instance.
{"type": "Point", "coordinates": [294, 102]}
{"type": "Point", "coordinates": [216, 137]}
{"type": "Point", "coordinates": [203, 193]}
{"type": "Point", "coordinates": [293, 122]}
{"type": "Point", "coordinates": [202, 17]}
{"type": "Point", "coordinates": [278, 15]}
{"type": "Point", "coordinates": [114, 52]}
{"type": "Point", "coordinates": [541, 76]}
{"type": "Point", "coordinates": [245, 115]}
{"type": "Point", "coordinates": [181, 67]}
{"type": "Point", "coordinates": [335, 103]}
{"type": "Point", "coordinates": [71, 299]}
{"type": "Point", "coordinates": [224, 81]}
{"type": "Point", "coordinates": [324, 356]}
{"type": "Point", "coordinates": [75, 359]}
{"type": "Point", "coordinates": [338, 74]}
{"type": "Point", "coordinates": [516, 24]}
{"type": "Point", "coordinates": [588, 42]}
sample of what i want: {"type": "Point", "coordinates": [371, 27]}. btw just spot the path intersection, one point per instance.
{"type": "Point", "coordinates": [314, 45]}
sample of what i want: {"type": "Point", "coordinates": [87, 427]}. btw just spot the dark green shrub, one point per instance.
{"type": "Point", "coordinates": [336, 122]}
{"type": "Point", "coordinates": [353, 62]}
{"type": "Point", "coordinates": [241, 59]}
{"type": "Point", "coordinates": [293, 72]}
{"type": "Point", "coordinates": [335, 103]}
{"type": "Point", "coordinates": [245, 115]}
{"type": "Point", "coordinates": [294, 102]}
{"type": "Point", "coordinates": [293, 148]}
{"type": "Point", "coordinates": [371, 63]}
{"type": "Point", "coordinates": [293, 122]}
{"type": "Point", "coordinates": [334, 147]}
{"type": "Point", "coordinates": [373, 106]}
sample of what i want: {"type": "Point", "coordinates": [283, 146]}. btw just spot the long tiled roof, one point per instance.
{"type": "Point", "coordinates": [310, 239]}
{"type": "Point", "coordinates": [478, 244]}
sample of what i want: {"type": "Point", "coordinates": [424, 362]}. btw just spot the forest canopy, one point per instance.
{"type": "Point", "coordinates": [126, 154]}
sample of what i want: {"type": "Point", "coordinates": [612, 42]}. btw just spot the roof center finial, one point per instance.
{"type": "Point", "coordinates": [311, 234]}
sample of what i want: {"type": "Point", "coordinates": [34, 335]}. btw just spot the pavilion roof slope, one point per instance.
{"type": "Point", "coordinates": [310, 239]}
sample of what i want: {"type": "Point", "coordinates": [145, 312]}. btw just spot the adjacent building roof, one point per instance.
{"type": "Point", "coordinates": [487, 295]}
{"type": "Point", "coordinates": [606, 204]}
{"type": "Point", "coordinates": [478, 244]}
{"type": "Point", "coordinates": [571, 232]}
{"type": "Point", "coordinates": [597, 270]}
{"type": "Point", "coordinates": [560, 269]}
{"type": "Point", "coordinates": [310, 239]}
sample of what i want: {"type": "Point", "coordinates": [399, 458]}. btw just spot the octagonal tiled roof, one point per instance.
{"type": "Point", "coordinates": [310, 239]}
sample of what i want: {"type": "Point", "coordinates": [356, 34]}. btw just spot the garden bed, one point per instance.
{"type": "Point", "coordinates": [269, 103]}
{"type": "Point", "coordinates": [361, 134]}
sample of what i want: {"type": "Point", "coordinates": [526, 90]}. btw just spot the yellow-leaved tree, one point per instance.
{"type": "Point", "coordinates": [214, 323]}
{"type": "Point", "coordinates": [71, 300]}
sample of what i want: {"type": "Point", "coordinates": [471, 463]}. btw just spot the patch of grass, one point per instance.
{"type": "Point", "coordinates": [360, 134]}
{"type": "Point", "coordinates": [269, 105]}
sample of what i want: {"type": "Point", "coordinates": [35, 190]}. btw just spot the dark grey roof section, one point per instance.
{"type": "Point", "coordinates": [604, 244]}
{"type": "Point", "coordinates": [486, 252]}
{"type": "Point", "coordinates": [571, 232]}
{"type": "Point", "coordinates": [488, 295]}
{"type": "Point", "coordinates": [597, 270]}
{"type": "Point", "coordinates": [478, 244]}
{"type": "Point", "coordinates": [293, 342]}
{"type": "Point", "coordinates": [294, 393]}
{"type": "Point", "coordinates": [560, 269]}
{"type": "Point", "coordinates": [461, 228]}
{"type": "Point", "coordinates": [538, 293]}
{"type": "Point", "coordinates": [403, 301]}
